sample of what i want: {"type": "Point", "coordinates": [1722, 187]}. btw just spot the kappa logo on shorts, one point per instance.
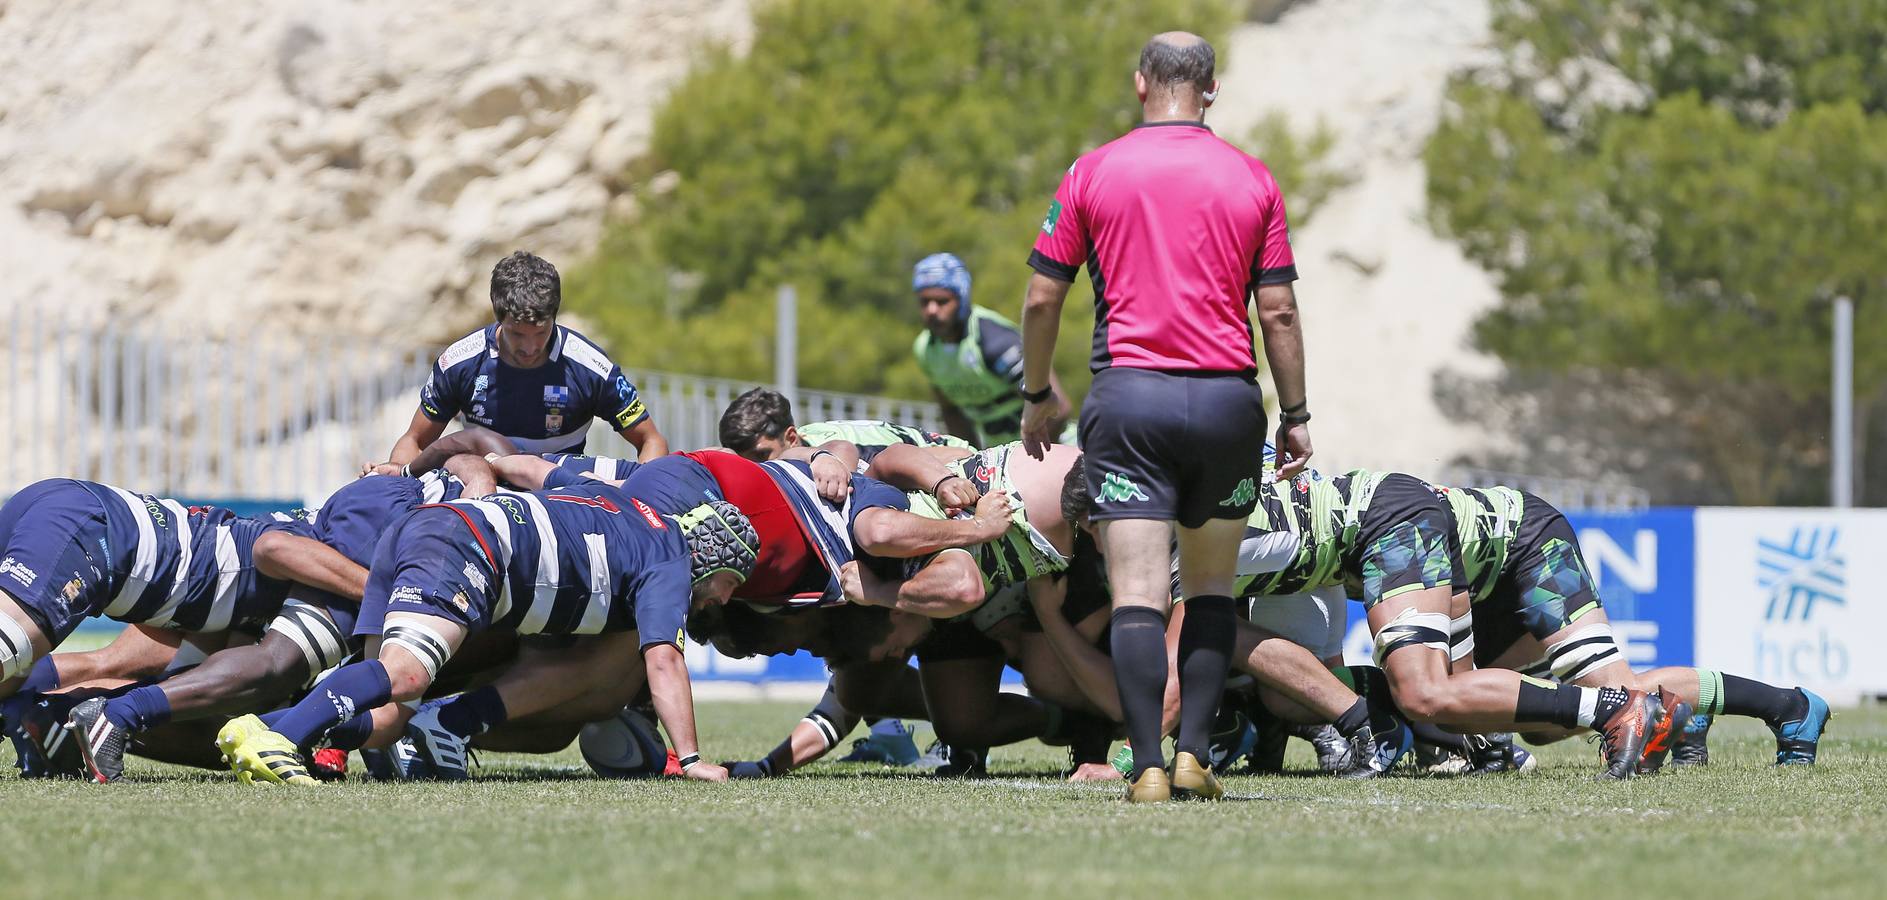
{"type": "Point", "coordinates": [1118, 488]}
{"type": "Point", "coordinates": [1244, 494]}
{"type": "Point", "coordinates": [406, 593]}
{"type": "Point", "coordinates": [19, 571]}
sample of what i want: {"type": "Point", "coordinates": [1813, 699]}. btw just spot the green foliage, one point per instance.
{"type": "Point", "coordinates": [1671, 192]}
{"type": "Point", "coordinates": [853, 139]}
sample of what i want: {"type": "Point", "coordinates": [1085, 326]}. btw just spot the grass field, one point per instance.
{"type": "Point", "coordinates": [539, 826]}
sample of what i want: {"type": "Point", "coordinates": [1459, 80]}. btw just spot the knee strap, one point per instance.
{"type": "Point", "coordinates": [1585, 651]}
{"type": "Point", "coordinates": [426, 645]}
{"type": "Point", "coordinates": [311, 629]}
{"type": "Point", "coordinates": [1412, 629]}
{"type": "Point", "coordinates": [16, 649]}
{"type": "Point", "coordinates": [1461, 637]}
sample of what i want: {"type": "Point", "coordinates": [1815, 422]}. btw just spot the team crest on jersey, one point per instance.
{"type": "Point", "coordinates": [461, 601]}
{"type": "Point", "coordinates": [70, 592]}
{"type": "Point", "coordinates": [648, 515]}
{"type": "Point", "coordinates": [553, 422]}
{"type": "Point", "coordinates": [479, 385]}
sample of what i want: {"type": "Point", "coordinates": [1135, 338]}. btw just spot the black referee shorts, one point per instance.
{"type": "Point", "coordinates": [1182, 448]}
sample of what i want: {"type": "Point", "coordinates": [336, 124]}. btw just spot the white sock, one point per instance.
{"type": "Point", "coordinates": [1588, 703]}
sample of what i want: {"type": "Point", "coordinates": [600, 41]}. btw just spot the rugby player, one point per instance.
{"type": "Point", "coordinates": [1537, 610]}
{"type": "Point", "coordinates": [528, 378]}
{"type": "Point", "coordinates": [312, 634]}
{"type": "Point", "coordinates": [583, 559]}
{"type": "Point", "coordinates": [759, 426]}
{"type": "Point", "coordinates": [1392, 541]}
{"type": "Point", "coordinates": [972, 357]}
{"type": "Point", "coordinates": [70, 550]}
{"type": "Point", "coordinates": [1178, 230]}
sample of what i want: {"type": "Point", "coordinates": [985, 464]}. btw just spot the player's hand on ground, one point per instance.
{"type": "Point", "coordinates": [1038, 423]}
{"type": "Point", "coordinates": [831, 477]}
{"type": "Point", "coordinates": [1094, 772]}
{"type": "Point", "coordinates": [992, 515]}
{"type": "Point", "coordinates": [1293, 447]}
{"type": "Point", "coordinates": [956, 492]}
{"type": "Point", "coordinates": [705, 771]}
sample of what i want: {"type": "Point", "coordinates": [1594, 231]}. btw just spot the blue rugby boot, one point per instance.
{"type": "Point", "coordinates": [1798, 739]}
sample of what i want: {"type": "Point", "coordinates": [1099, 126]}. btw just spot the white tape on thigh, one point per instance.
{"type": "Point", "coordinates": [1412, 629]}
{"type": "Point", "coordinates": [16, 649]}
{"type": "Point", "coordinates": [1461, 638]}
{"type": "Point", "coordinates": [428, 646]}
{"type": "Point", "coordinates": [1584, 651]}
{"type": "Point", "coordinates": [312, 630]}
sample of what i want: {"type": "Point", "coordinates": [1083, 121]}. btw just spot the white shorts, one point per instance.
{"type": "Point", "coordinates": [1316, 621]}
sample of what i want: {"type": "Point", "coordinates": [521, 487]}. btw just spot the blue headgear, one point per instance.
{"type": "Point", "coordinates": [944, 270]}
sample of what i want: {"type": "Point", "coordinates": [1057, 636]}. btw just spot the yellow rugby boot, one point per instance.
{"type": "Point", "coordinates": [257, 754]}
{"type": "Point", "coordinates": [1152, 787]}
{"type": "Point", "coordinates": [1194, 779]}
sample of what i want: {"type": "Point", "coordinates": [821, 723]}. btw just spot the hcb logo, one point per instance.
{"type": "Point", "coordinates": [1797, 573]}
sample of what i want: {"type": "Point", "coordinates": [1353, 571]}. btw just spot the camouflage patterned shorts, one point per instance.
{"type": "Point", "coordinates": [1407, 542]}
{"type": "Point", "coordinates": [1543, 589]}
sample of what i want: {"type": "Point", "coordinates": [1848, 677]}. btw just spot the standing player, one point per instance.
{"type": "Point", "coordinates": [973, 357]}
{"type": "Point", "coordinates": [528, 378]}
{"type": "Point", "coordinates": [1177, 229]}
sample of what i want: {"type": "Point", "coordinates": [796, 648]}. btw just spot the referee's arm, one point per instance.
{"type": "Point", "coordinates": [1041, 325]}
{"type": "Point", "coordinates": [1284, 355]}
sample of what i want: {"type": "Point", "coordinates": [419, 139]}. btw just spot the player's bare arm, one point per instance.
{"type": "Point", "coordinates": [646, 438]}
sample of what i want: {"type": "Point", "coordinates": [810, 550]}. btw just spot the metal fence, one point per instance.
{"type": "Point", "coordinates": [263, 415]}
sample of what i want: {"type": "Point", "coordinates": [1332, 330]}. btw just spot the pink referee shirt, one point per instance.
{"type": "Point", "coordinates": [1177, 227]}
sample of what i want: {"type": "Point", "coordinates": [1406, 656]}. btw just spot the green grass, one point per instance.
{"type": "Point", "coordinates": [538, 826]}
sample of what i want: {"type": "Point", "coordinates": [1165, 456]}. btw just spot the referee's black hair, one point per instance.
{"type": "Point", "coordinates": [1175, 58]}
{"type": "Point", "coordinates": [1076, 503]}
{"type": "Point", "coordinates": [525, 288]}
{"type": "Point", "coordinates": [759, 413]}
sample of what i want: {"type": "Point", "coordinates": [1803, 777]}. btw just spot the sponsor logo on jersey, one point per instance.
{"type": "Point", "coordinates": [1054, 216]}
{"type": "Point", "coordinates": [648, 515]}
{"type": "Point", "coordinates": [602, 503]}
{"type": "Point", "coordinates": [70, 592]}
{"type": "Point", "coordinates": [479, 386]}
{"type": "Point", "coordinates": [1242, 495]}
{"type": "Point", "coordinates": [19, 571]}
{"type": "Point", "coordinates": [635, 410]}
{"type": "Point", "coordinates": [406, 593]}
{"type": "Point", "coordinates": [1118, 488]}
{"type": "Point", "coordinates": [461, 601]}
{"type": "Point", "coordinates": [556, 395]}
{"type": "Point", "coordinates": [476, 579]}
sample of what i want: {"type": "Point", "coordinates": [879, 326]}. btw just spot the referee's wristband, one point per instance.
{"type": "Point", "coordinates": [1296, 418]}
{"type": "Point", "coordinates": [1037, 396]}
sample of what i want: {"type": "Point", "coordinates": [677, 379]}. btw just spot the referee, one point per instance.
{"type": "Point", "coordinates": [1177, 228]}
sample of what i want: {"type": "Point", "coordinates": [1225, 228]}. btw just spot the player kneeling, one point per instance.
{"type": "Point", "coordinates": [578, 560]}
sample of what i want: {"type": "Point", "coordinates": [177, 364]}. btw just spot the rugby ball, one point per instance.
{"type": "Point", "coordinates": [626, 745]}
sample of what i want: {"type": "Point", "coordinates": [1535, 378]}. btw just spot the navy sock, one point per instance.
{"type": "Point", "coordinates": [473, 713]}
{"type": "Point", "coordinates": [272, 717]}
{"type": "Point", "coordinates": [353, 733]}
{"type": "Point", "coordinates": [43, 677]}
{"type": "Point", "coordinates": [146, 707]}
{"type": "Point", "coordinates": [1138, 643]}
{"type": "Point", "coordinates": [1353, 719]}
{"type": "Point", "coordinates": [353, 688]}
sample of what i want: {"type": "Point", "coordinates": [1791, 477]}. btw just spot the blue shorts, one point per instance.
{"type": "Point", "coordinates": [54, 555]}
{"type": "Point", "coordinates": [432, 563]}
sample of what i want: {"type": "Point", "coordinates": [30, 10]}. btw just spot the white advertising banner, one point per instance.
{"type": "Point", "coordinates": [1794, 597]}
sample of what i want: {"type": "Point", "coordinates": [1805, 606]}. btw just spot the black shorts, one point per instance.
{"type": "Point", "coordinates": [1180, 448]}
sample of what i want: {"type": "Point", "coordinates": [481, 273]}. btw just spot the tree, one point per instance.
{"type": "Point", "coordinates": [853, 139]}
{"type": "Point", "coordinates": [1669, 193]}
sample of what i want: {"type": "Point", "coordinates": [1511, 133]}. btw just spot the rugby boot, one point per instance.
{"type": "Point", "coordinates": [1123, 761]}
{"type": "Point", "coordinates": [964, 762]}
{"type": "Point", "coordinates": [1233, 736]}
{"type": "Point", "coordinates": [1669, 731]}
{"type": "Point", "coordinates": [1692, 747]}
{"type": "Point", "coordinates": [396, 762]}
{"type": "Point", "coordinates": [101, 743]}
{"type": "Point", "coordinates": [1153, 786]}
{"type": "Point", "coordinates": [1493, 753]}
{"type": "Point", "coordinates": [1379, 753]}
{"type": "Point", "coordinates": [1193, 780]}
{"type": "Point", "coordinates": [1798, 740]}
{"type": "Point", "coordinates": [891, 742]}
{"type": "Point", "coordinates": [443, 751]}
{"type": "Point", "coordinates": [258, 755]}
{"type": "Point", "coordinates": [1622, 736]}
{"type": "Point", "coordinates": [328, 764]}
{"type": "Point", "coordinates": [43, 747]}
{"type": "Point", "coordinates": [1333, 751]}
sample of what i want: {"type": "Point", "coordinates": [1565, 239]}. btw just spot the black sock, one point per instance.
{"type": "Point", "coordinates": [1205, 656]}
{"type": "Point", "coordinates": [1353, 718]}
{"type": "Point", "coordinates": [1547, 703]}
{"type": "Point", "coordinates": [1435, 737]}
{"type": "Point", "coordinates": [1372, 684]}
{"type": "Point", "coordinates": [1744, 697]}
{"type": "Point", "coordinates": [1138, 644]}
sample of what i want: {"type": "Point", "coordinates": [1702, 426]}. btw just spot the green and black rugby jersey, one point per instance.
{"type": "Point", "coordinates": [1486, 519]}
{"type": "Point", "coordinates": [1324, 515]}
{"type": "Point", "coordinates": [872, 437]}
